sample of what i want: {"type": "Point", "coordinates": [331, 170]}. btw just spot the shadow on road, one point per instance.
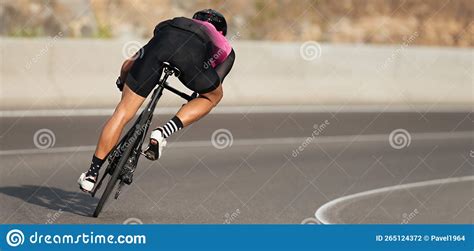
{"type": "Point", "coordinates": [54, 198]}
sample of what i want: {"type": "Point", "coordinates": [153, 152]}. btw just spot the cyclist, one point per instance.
{"type": "Point", "coordinates": [197, 47]}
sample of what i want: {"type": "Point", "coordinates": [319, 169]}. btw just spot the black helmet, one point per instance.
{"type": "Point", "coordinates": [213, 17]}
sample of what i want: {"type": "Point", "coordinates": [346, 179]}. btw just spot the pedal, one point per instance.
{"type": "Point", "coordinates": [110, 170]}
{"type": "Point", "coordinates": [127, 178]}
{"type": "Point", "coordinates": [128, 170]}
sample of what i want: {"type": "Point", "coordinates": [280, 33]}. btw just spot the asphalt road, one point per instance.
{"type": "Point", "coordinates": [272, 170]}
{"type": "Point", "coordinates": [422, 202]}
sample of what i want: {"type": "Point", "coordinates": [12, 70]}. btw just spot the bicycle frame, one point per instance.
{"type": "Point", "coordinates": [142, 124]}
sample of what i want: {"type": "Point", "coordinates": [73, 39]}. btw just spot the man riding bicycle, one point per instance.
{"type": "Point", "coordinates": [197, 47]}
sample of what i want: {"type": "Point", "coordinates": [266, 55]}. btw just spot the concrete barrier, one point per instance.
{"type": "Point", "coordinates": [65, 73]}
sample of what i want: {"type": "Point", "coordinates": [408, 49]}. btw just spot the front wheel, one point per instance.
{"type": "Point", "coordinates": [141, 126]}
{"type": "Point", "coordinates": [108, 189]}
{"type": "Point", "coordinates": [113, 179]}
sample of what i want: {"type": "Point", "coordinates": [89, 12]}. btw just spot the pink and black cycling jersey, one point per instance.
{"type": "Point", "coordinates": [202, 53]}
{"type": "Point", "coordinates": [222, 47]}
{"type": "Point", "coordinates": [223, 55]}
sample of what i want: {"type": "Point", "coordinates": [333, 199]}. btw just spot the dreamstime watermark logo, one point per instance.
{"type": "Point", "coordinates": [407, 42]}
{"type": "Point", "coordinates": [211, 62]}
{"type": "Point", "coordinates": [318, 129]}
{"type": "Point", "coordinates": [15, 238]}
{"type": "Point", "coordinates": [231, 217]}
{"type": "Point", "coordinates": [407, 217]}
{"type": "Point", "coordinates": [52, 218]}
{"type": "Point", "coordinates": [234, 37]}
{"type": "Point", "coordinates": [399, 138]}
{"type": "Point", "coordinates": [133, 221]}
{"type": "Point", "coordinates": [44, 138]}
{"type": "Point", "coordinates": [310, 221]}
{"type": "Point", "coordinates": [471, 153]}
{"type": "Point", "coordinates": [138, 131]}
{"type": "Point", "coordinates": [132, 50]}
{"type": "Point", "coordinates": [43, 51]}
{"type": "Point", "coordinates": [310, 50]}
{"type": "Point", "coordinates": [222, 138]}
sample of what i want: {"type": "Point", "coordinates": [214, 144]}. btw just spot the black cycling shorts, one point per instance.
{"type": "Point", "coordinates": [182, 49]}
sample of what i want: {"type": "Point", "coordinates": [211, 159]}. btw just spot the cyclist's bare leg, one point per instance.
{"type": "Point", "coordinates": [188, 114]}
{"type": "Point", "coordinates": [124, 112]}
{"type": "Point", "coordinates": [200, 106]}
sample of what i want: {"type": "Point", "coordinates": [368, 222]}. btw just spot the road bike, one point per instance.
{"type": "Point", "coordinates": [123, 158]}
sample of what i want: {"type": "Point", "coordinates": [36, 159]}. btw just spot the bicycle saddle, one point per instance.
{"type": "Point", "coordinates": [172, 69]}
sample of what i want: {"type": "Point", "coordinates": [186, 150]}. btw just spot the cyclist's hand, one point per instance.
{"type": "Point", "coordinates": [119, 83]}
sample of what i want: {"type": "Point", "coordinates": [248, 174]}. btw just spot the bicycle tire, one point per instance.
{"type": "Point", "coordinates": [148, 112]}
{"type": "Point", "coordinates": [108, 190]}
{"type": "Point", "coordinates": [113, 180]}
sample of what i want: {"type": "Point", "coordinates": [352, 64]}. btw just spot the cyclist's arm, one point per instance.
{"type": "Point", "coordinates": [126, 66]}
{"type": "Point", "coordinates": [224, 68]}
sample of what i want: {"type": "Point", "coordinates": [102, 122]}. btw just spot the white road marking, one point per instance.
{"type": "Point", "coordinates": [323, 213]}
{"type": "Point", "coordinates": [263, 141]}
{"type": "Point", "coordinates": [247, 110]}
